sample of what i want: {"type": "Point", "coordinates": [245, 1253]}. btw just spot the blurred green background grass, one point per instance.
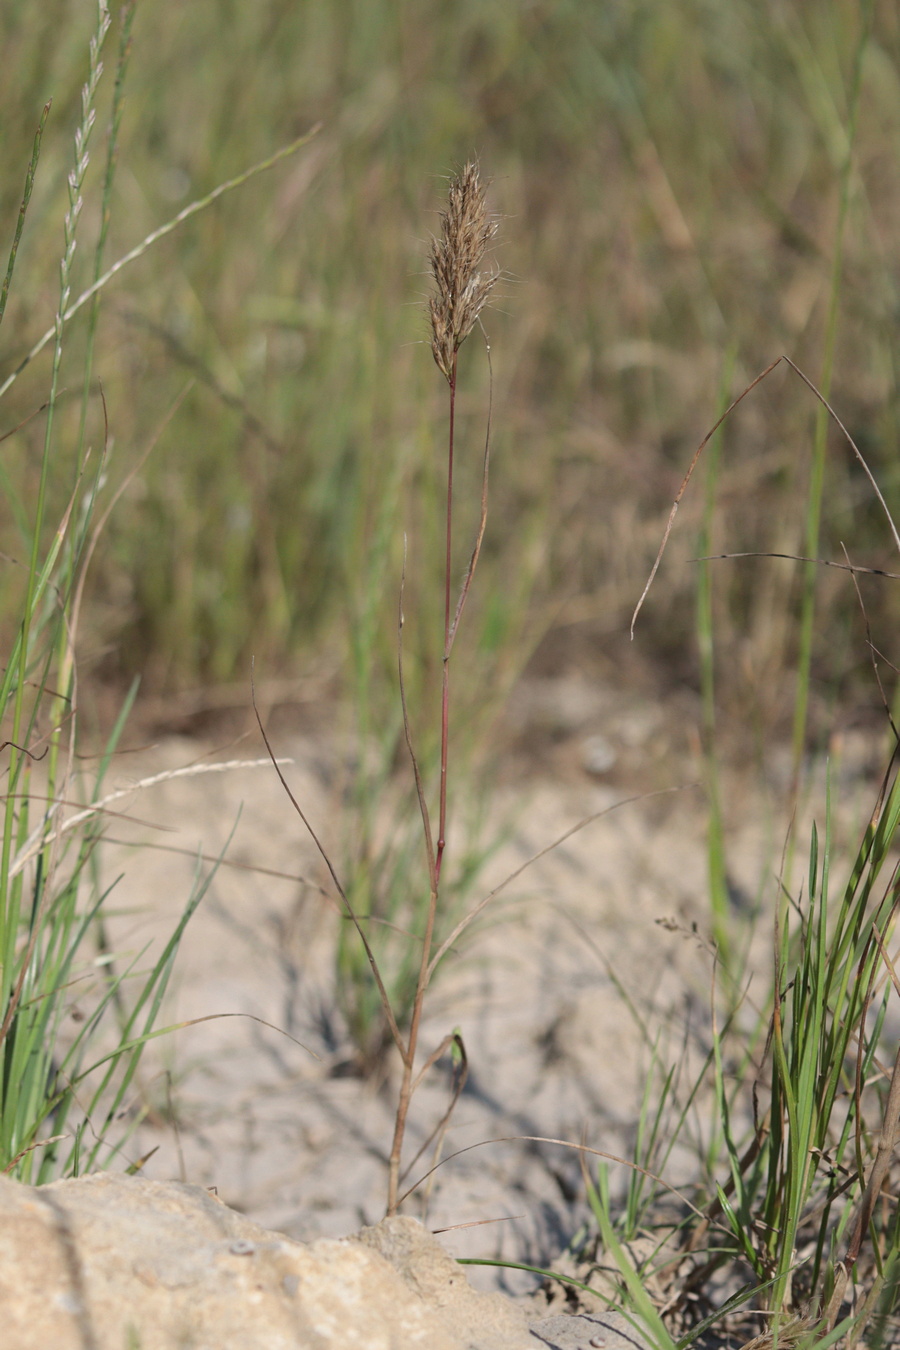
{"type": "Point", "coordinates": [669, 176]}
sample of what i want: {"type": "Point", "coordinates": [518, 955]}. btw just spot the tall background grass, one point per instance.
{"type": "Point", "coordinates": [690, 189]}
{"type": "Point", "coordinates": [672, 174]}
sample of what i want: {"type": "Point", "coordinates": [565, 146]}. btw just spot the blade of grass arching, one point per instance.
{"type": "Point", "coordinates": [112, 741]}
{"type": "Point", "coordinates": [850, 964]}
{"type": "Point", "coordinates": [59, 1091]}
{"type": "Point", "coordinates": [150, 998]}
{"type": "Point", "coordinates": [886, 1143]}
{"type": "Point", "coordinates": [69, 1068]}
{"type": "Point", "coordinates": [69, 1075]}
{"type": "Point", "coordinates": [534, 1270]}
{"type": "Point", "coordinates": [651, 1322]}
{"type": "Point", "coordinates": [887, 803]}
{"type": "Point", "coordinates": [683, 487]}
{"type": "Point", "coordinates": [716, 870]}
{"type": "Point", "coordinates": [782, 1209]}
{"type": "Point", "coordinates": [814, 1341]}
{"type": "Point", "coordinates": [817, 478]}
{"type": "Point", "coordinates": [731, 1305]}
{"type": "Point", "coordinates": [741, 1232]}
{"type": "Point", "coordinates": [799, 1064]}
{"type": "Point", "coordinates": [28, 1045]}
{"type": "Point", "coordinates": [114, 737]}
{"type": "Point", "coordinates": [140, 249]}
{"type": "Point", "coordinates": [70, 1072]}
{"type": "Point", "coordinates": [133, 1049]}
{"type": "Point", "coordinates": [23, 209]}
{"type": "Point", "coordinates": [807, 1025]}
{"type": "Point", "coordinates": [15, 831]}
{"type": "Point", "coordinates": [648, 1133]}
{"type": "Point", "coordinates": [723, 1115]}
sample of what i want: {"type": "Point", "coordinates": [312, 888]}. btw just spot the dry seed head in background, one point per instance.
{"type": "Point", "coordinates": [461, 288]}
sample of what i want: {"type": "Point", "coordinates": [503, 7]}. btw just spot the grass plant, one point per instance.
{"type": "Point", "coordinates": [74, 1016]}
{"type": "Point", "coordinates": [793, 1091]}
{"type": "Point", "coordinates": [804, 1092]}
{"type": "Point", "coordinates": [463, 282]}
{"type": "Point", "coordinates": [806, 1100]}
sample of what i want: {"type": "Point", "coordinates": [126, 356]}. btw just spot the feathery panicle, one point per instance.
{"type": "Point", "coordinates": [462, 289]}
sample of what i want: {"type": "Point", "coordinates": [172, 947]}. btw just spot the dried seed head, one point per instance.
{"type": "Point", "coordinates": [461, 289]}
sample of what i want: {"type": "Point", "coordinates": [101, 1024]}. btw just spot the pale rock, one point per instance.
{"type": "Point", "coordinates": [111, 1262]}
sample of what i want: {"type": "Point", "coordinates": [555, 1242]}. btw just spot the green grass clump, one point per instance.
{"type": "Point", "coordinates": [306, 416]}
{"type": "Point", "coordinates": [74, 1015]}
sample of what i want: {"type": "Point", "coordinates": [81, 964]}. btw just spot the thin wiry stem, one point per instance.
{"type": "Point", "coordinates": [482, 522]}
{"type": "Point", "coordinates": [445, 672]}
{"type": "Point", "coordinates": [408, 1051]}
{"type": "Point", "coordinates": [407, 731]}
{"type": "Point", "coordinates": [354, 919]}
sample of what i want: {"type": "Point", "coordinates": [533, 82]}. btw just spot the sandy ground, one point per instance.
{"type": "Point", "coordinates": [540, 987]}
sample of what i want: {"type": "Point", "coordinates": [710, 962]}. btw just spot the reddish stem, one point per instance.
{"type": "Point", "coordinates": [445, 683]}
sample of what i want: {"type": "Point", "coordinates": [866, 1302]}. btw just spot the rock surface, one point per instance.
{"type": "Point", "coordinates": [111, 1262]}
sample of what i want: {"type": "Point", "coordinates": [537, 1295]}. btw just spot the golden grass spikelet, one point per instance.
{"type": "Point", "coordinates": [462, 289]}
